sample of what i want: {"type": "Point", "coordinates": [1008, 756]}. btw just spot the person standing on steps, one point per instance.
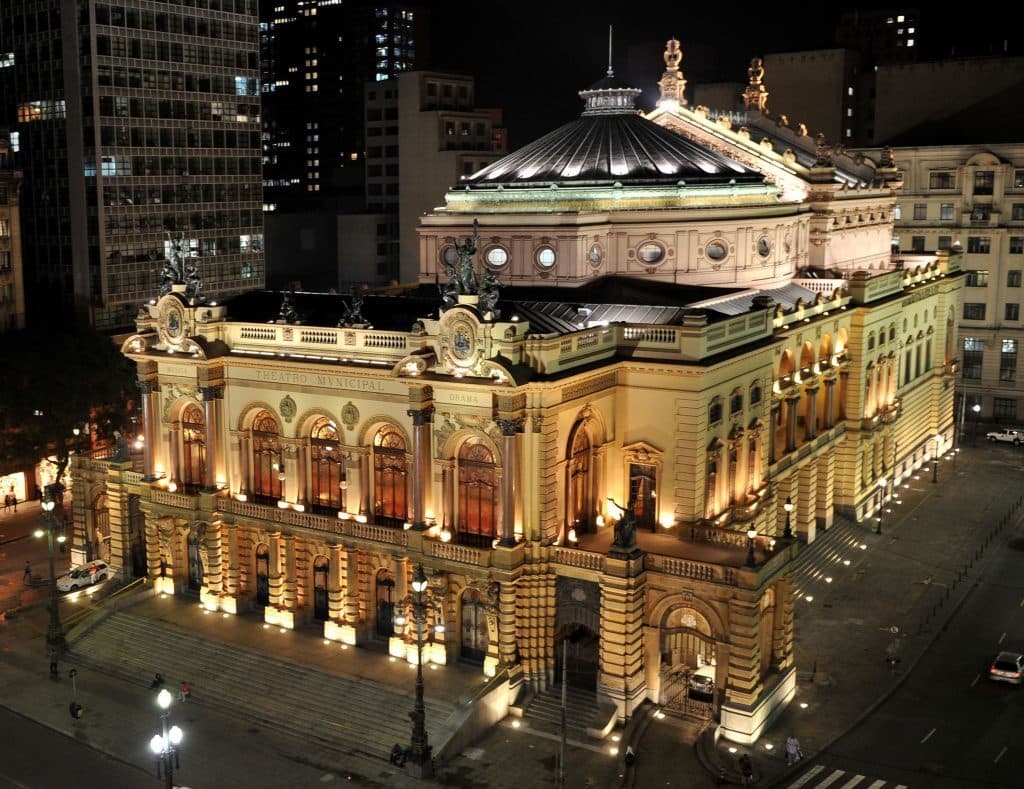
{"type": "Point", "coordinates": [27, 578]}
{"type": "Point", "coordinates": [185, 691]}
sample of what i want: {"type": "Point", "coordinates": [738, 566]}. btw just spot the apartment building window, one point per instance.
{"type": "Point", "coordinates": [5, 227]}
{"type": "Point", "coordinates": [5, 261]}
{"type": "Point", "coordinates": [983, 182]}
{"type": "Point", "coordinates": [1017, 245]}
{"type": "Point", "coordinates": [1012, 312]}
{"type": "Point", "coordinates": [981, 213]}
{"type": "Point", "coordinates": [917, 243]}
{"type": "Point", "coordinates": [945, 242]}
{"type": "Point", "coordinates": [942, 180]}
{"type": "Point", "coordinates": [1004, 408]}
{"type": "Point", "coordinates": [1018, 212]}
{"type": "Point", "coordinates": [974, 351]}
{"type": "Point", "coordinates": [946, 211]}
{"type": "Point", "coordinates": [1013, 278]}
{"type": "Point", "coordinates": [979, 244]}
{"type": "Point", "coordinates": [977, 278]}
{"type": "Point", "coordinates": [1008, 361]}
{"type": "Point", "coordinates": [920, 210]}
{"type": "Point", "coordinates": [897, 212]}
{"type": "Point", "coordinates": [974, 311]}
{"type": "Point", "coordinates": [1018, 179]}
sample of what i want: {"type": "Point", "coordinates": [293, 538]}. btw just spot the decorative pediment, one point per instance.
{"type": "Point", "coordinates": [642, 452]}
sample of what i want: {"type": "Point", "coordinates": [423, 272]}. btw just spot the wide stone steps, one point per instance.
{"type": "Point", "coordinates": [544, 713]}
{"type": "Point", "coordinates": [334, 711]}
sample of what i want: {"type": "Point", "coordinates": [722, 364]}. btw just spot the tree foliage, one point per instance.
{"type": "Point", "coordinates": [54, 379]}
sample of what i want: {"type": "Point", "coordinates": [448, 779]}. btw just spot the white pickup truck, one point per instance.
{"type": "Point", "coordinates": [1010, 434]}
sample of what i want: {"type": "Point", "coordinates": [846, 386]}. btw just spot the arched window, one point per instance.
{"type": "Point", "coordinates": [262, 574]}
{"type": "Point", "coordinates": [715, 411]}
{"type": "Point", "coordinates": [267, 469]}
{"type": "Point", "coordinates": [326, 462]}
{"type": "Point", "coordinates": [477, 495]}
{"type": "Point", "coordinates": [580, 498]}
{"type": "Point", "coordinates": [193, 448]}
{"type": "Point", "coordinates": [390, 477]}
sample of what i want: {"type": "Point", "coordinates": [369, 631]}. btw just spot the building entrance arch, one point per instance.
{"type": "Point", "coordinates": [689, 664]}
{"type": "Point", "coordinates": [579, 647]}
{"type": "Point", "coordinates": [321, 572]}
{"type": "Point", "coordinates": [385, 594]}
{"type": "Point", "coordinates": [195, 562]}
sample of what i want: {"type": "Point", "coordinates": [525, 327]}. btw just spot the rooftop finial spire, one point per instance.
{"type": "Point", "coordinates": [672, 83]}
{"type": "Point", "coordinates": [610, 72]}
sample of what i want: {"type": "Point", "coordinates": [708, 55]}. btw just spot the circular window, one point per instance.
{"type": "Point", "coordinates": [595, 255]}
{"type": "Point", "coordinates": [449, 255]}
{"type": "Point", "coordinates": [545, 257]}
{"type": "Point", "coordinates": [497, 257]}
{"type": "Point", "coordinates": [764, 246]}
{"type": "Point", "coordinates": [651, 253]}
{"type": "Point", "coordinates": [716, 250]}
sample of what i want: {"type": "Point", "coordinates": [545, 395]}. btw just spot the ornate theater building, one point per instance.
{"type": "Point", "coordinates": [647, 358]}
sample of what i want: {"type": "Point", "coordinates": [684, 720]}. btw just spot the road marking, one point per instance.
{"type": "Point", "coordinates": [1000, 756]}
{"type": "Point", "coordinates": [976, 680]}
{"type": "Point", "coordinates": [852, 782]}
{"type": "Point", "coordinates": [806, 777]}
{"type": "Point", "coordinates": [928, 736]}
{"type": "Point", "coordinates": [1003, 636]}
{"type": "Point", "coordinates": [835, 776]}
{"type": "Point", "coordinates": [877, 784]}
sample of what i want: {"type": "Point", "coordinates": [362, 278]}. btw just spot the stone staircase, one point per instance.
{"type": "Point", "coordinates": [334, 714]}
{"type": "Point", "coordinates": [583, 714]}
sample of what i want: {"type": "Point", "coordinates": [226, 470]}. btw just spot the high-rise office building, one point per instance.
{"type": "Point", "coordinates": [12, 284]}
{"type": "Point", "coordinates": [316, 57]}
{"type": "Point", "coordinates": [134, 120]}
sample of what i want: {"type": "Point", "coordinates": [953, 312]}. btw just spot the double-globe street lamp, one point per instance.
{"type": "Point", "coordinates": [55, 643]}
{"type": "Point", "coordinates": [165, 745]}
{"type": "Point", "coordinates": [418, 762]}
{"type": "Point", "coordinates": [788, 507]}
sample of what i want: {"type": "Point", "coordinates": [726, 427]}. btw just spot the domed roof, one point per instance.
{"type": "Point", "coordinates": [611, 142]}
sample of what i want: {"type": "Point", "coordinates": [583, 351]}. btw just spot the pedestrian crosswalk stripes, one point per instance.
{"type": "Point", "coordinates": [821, 777]}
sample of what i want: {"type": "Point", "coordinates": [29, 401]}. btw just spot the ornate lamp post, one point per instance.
{"type": "Point", "coordinates": [935, 459]}
{"type": "Point", "coordinates": [976, 409]}
{"type": "Point", "coordinates": [55, 643]}
{"type": "Point", "coordinates": [788, 507]}
{"type": "Point", "coordinates": [419, 763]}
{"type": "Point", "coordinates": [882, 482]}
{"type": "Point", "coordinates": [164, 746]}
{"type": "Point", "coordinates": [77, 432]}
{"type": "Point", "coordinates": [751, 536]}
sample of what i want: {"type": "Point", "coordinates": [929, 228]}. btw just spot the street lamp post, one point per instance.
{"type": "Point", "coordinates": [976, 409]}
{"type": "Point", "coordinates": [78, 432]}
{"type": "Point", "coordinates": [882, 482]}
{"type": "Point", "coordinates": [164, 745]}
{"type": "Point", "coordinates": [935, 459]}
{"type": "Point", "coordinates": [751, 536]}
{"type": "Point", "coordinates": [788, 507]}
{"type": "Point", "coordinates": [55, 643]}
{"type": "Point", "coordinates": [419, 763]}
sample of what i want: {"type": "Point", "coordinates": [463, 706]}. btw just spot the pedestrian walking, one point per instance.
{"type": "Point", "coordinates": [7, 502]}
{"type": "Point", "coordinates": [14, 501]}
{"type": "Point", "coordinates": [27, 578]}
{"type": "Point", "coordinates": [185, 691]}
{"type": "Point", "coordinates": [746, 770]}
{"type": "Point", "coordinates": [793, 752]}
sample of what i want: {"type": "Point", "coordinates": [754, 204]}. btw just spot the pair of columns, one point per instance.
{"type": "Point", "coordinates": [149, 390]}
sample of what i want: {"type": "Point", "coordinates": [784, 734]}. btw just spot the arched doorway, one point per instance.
{"type": "Point", "coordinates": [321, 571]}
{"type": "Point", "coordinates": [478, 493]}
{"type": "Point", "coordinates": [385, 593]}
{"type": "Point", "coordinates": [643, 481]}
{"type": "Point", "coordinates": [688, 664]}
{"type": "Point", "coordinates": [136, 537]}
{"type": "Point", "coordinates": [326, 461]}
{"type": "Point", "coordinates": [581, 506]}
{"type": "Point", "coordinates": [193, 448]}
{"type": "Point", "coordinates": [577, 650]}
{"type": "Point", "coordinates": [267, 467]}
{"type": "Point", "coordinates": [474, 639]}
{"type": "Point", "coordinates": [195, 562]}
{"type": "Point", "coordinates": [390, 477]}
{"type": "Point", "coordinates": [262, 575]}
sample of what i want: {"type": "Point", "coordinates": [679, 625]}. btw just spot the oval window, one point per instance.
{"type": "Point", "coordinates": [545, 257]}
{"type": "Point", "coordinates": [449, 255]}
{"type": "Point", "coordinates": [650, 253]}
{"type": "Point", "coordinates": [764, 247]}
{"type": "Point", "coordinates": [716, 250]}
{"type": "Point", "coordinates": [594, 256]}
{"type": "Point", "coordinates": [497, 256]}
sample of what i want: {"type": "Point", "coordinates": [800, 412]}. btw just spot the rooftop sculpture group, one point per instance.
{"type": "Point", "coordinates": [181, 269]}
{"type": "Point", "coordinates": [463, 280]}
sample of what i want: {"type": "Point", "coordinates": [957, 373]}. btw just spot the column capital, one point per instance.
{"type": "Point", "coordinates": [208, 393]}
{"type": "Point", "coordinates": [510, 426]}
{"type": "Point", "coordinates": [148, 386]}
{"type": "Point", "coordinates": [421, 416]}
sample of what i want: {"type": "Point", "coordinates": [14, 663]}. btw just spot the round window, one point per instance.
{"type": "Point", "coordinates": [651, 253]}
{"type": "Point", "coordinates": [449, 255]}
{"type": "Point", "coordinates": [716, 250]}
{"type": "Point", "coordinates": [594, 256]}
{"type": "Point", "coordinates": [497, 257]}
{"type": "Point", "coordinates": [764, 246]}
{"type": "Point", "coordinates": [545, 257]}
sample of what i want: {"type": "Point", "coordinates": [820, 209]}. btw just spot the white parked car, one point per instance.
{"type": "Point", "coordinates": [1011, 434]}
{"type": "Point", "coordinates": [83, 575]}
{"type": "Point", "coordinates": [1007, 667]}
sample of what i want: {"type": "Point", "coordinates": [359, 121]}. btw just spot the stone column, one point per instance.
{"type": "Point", "coordinates": [507, 636]}
{"type": "Point", "coordinates": [806, 502]}
{"type": "Point", "coordinates": [289, 588]}
{"type": "Point", "coordinates": [149, 392]}
{"type": "Point", "coordinates": [212, 396]}
{"type": "Point", "coordinates": [173, 452]}
{"type": "Point", "coordinates": [301, 453]}
{"type": "Point", "coordinates": [824, 509]}
{"type": "Point", "coordinates": [622, 675]}
{"type": "Point", "coordinates": [776, 410]}
{"type": "Point", "coordinates": [447, 518]}
{"type": "Point", "coordinates": [214, 575]}
{"type": "Point", "coordinates": [335, 592]}
{"type": "Point", "coordinates": [365, 483]}
{"type": "Point", "coordinates": [243, 463]}
{"type": "Point", "coordinates": [421, 418]}
{"type": "Point", "coordinates": [812, 411]}
{"type": "Point", "coordinates": [351, 587]}
{"type": "Point", "coordinates": [274, 579]}
{"type": "Point", "coordinates": [234, 574]}
{"type": "Point", "coordinates": [792, 401]}
{"type": "Point", "coordinates": [510, 429]}
{"type": "Point", "coordinates": [830, 403]}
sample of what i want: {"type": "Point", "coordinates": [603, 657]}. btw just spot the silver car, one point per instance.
{"type": "Point", "coordinates": [1007, 667]}
{"type": "Point", "coordinates": [84, 575]}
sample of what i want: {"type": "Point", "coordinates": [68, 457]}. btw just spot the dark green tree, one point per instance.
{"type": "Point", "coordinates": [55, 379]}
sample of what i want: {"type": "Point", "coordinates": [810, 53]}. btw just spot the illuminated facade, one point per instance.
{"type": "Point", "coordinates": [12, 276]}
{"type": "Point", "coordinates": [158, 132]}
{"type": "Point", "coordinates": [699, 326]}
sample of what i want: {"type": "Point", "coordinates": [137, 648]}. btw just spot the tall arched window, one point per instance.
{"type": "Point", "coordinates": [266, 459]}
{"type": "Point", "coordinates": [581, 506]}
{"type": "Point", "coordinates": [326, 467]}
{"type": "Point", "coordinates": [389, 477]}
{"type": "Point", "coordinates": [477, 495]}
{"type": "Point", "coordinates": [193, 448]}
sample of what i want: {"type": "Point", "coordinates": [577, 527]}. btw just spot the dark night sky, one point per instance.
{"type": "Point", "coordinates": [530, 58]}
